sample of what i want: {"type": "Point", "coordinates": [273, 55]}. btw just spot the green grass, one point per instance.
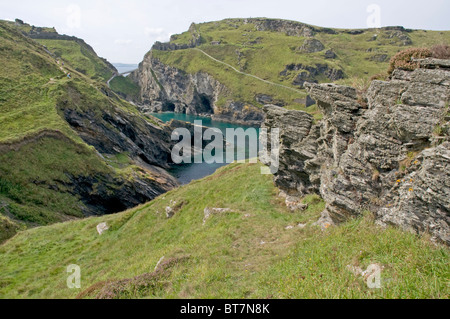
{"type": "Point", "coordinates": [225, 256]}
{"type": "Point", "coordinates": [32, 85]}
{"type": "Point", "coordinates": [35, 173]}
{"type": "Point", "coordinates": [36, 180]}
{"type": "Point", "coordinates": [73, 51]}
{"type": "Point", "coordinates": [125, 87]}
{"type": "Point", "coordinates": [273, 51]}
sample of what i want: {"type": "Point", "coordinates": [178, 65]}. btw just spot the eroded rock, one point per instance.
{"type": "Point", "coordinates": [387, 152]}
{"type": "Point", "coordinates": [101, 228]}
{"type": "Point", "coordinates": [311, 46]}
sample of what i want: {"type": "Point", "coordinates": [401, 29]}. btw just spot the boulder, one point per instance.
{"type": "Point", "coordinates": [208, 212]}
{"type": "Point", "coordinates": [101, 228]}
{"type": "Point", "coordinates": [311, 45]}
{"type": "Point", "coordinates": [330, 55]}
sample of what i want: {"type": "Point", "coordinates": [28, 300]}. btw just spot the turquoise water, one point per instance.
{"type": "Point", "coordinates": [185, 173]}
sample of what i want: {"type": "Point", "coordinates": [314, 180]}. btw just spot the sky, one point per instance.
{"type": "Point", "coordinates": [124, 31]}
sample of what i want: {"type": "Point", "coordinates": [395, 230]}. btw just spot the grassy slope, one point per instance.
{"type": "Point", "coordinates": [80, 57]}
{"type": "Point", "coordinates": [225, 256]}
{"type": "Point", "coordinates": [74, 51]}
{"type": "Point", "coordinates": [125, 87]}
{"type": "Point", "coordinates": [276, 50]}
{"type": "Point", "coordinates": [32, 180]}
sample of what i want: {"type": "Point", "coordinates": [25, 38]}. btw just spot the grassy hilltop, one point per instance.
{"type": "Point", "coordinates": [284, 53]}
{"type": "Point", "coordinates": [69, 49]}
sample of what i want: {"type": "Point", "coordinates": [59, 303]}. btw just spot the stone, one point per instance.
{"type": "Point", "coordinates": [297, 148]}
{"type": "Point", "coordinates": [169, 212]}
{"type": "Point", "coordinates": [310, 73]}
{"type": "Point", "coordinates": [330, 55]}
{"type": "Point", "coordinates": [173, 208]}
{"type": "Point", "coordinates": [168, 89]}
{"type": "Point", "coordinates": [311, 46]}
{"type": "Point", "coordinates": [290, 28]}
{"type": "Point", "coordinates": [325, 221]}
{"type": "Point", "coordinates": [398, 37]}
{"type": "Point", "coordinates": [379, 58]}
{"type": "Point", "coordinates": [101, 228]}
{"type": "Point", "coordinates": [294, 204]}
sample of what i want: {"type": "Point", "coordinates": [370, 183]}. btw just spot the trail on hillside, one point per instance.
{"type": "Point", "coordinates": [247, 74]}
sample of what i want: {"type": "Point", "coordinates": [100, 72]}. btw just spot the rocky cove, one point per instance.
{"type": "Point", "coordinates": [168, 89]}
{"type": "Point", "coordinates": [372, 151]}
{"type": "Point", "coordinates": [185, 173]}
{"type": "Point", "coordinates": [377, 151]}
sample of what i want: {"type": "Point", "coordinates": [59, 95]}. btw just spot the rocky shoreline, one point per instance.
{"type": "Point", "coordinates": [168, 89]}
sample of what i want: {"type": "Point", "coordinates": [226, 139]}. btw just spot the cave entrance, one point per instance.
{"type": "Point", "coordinates": [205, 104]}
{"type": "Point", "coordinates": [168, 106]}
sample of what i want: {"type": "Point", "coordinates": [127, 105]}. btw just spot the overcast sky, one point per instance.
{"type": "Point", "coordinates": [123, 31]}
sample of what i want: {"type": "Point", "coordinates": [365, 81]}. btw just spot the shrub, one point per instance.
{"type": "Point", "coordinates": [441, 51]}
{"type": "Point", "coordinates": [379, 76]}
{"type": "Point", "coordinates": [404, 59]}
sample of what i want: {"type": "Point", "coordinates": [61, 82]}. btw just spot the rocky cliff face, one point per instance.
{"type": "Point", "coordinates": [168, 89]}
{"type": "Point", "coordinates": [310, 73]}
{"type": "Point", "coordinates": [291, 28]}
{"type": "Point", "coordinates": [387, 152]}
{"type": "Point", "coordinates": [111, 130]}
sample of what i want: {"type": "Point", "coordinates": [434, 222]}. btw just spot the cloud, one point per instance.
{"type": "Point", "coordinates": [123, 41]}
{"type": "Point", "coordinates": [157, 34]}
{"type": "Point", "coordinates": [73, 20]}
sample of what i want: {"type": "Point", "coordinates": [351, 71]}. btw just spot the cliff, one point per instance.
{"type": "Point", "coordinates": [387, 151]}
{"type": "Point", "coordinates": [70, 49]}
{"type": "Point", "coordinates": [69, 147]}
{"type": "Point", "coordinates": [232, 68]}
{"type": "Point", "coordinates": [168, 89]}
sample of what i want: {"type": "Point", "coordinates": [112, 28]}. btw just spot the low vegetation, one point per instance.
{"type": "Point", "coordinates": [404, 60]}
{"type": "Point", "coordinates": [40, 154]}
{"type": "Point", "coordinates": [125, 88]}
{"type": "Point", "coordinates": [266, 54]}
{"type": "Point", "coordinates": [81, 57]}
{"type": "Point", "coordinates": [249, 252]}
{"type": "Point", "coordinates": [255, 249]}
{"type": "Point", "coordinates": [72, 50]}
{"type": "Point", "coordinates": [441, 51]}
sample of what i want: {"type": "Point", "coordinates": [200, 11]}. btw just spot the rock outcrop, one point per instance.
{"type": "Point", "coordinates": [107, 194]}
{"type": "Point", "coordinates": [311, 73]}
{"type": "Point", "coordinates": [387, 152]}
{"type": "Point", "coordinates": [168, 89]}
{"type": "Point", "coordinates": [111, 130]}
{"type": "Point", "coordinates": [170, 46]}
{"type": "Point", "coordinates": [311, 46]}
